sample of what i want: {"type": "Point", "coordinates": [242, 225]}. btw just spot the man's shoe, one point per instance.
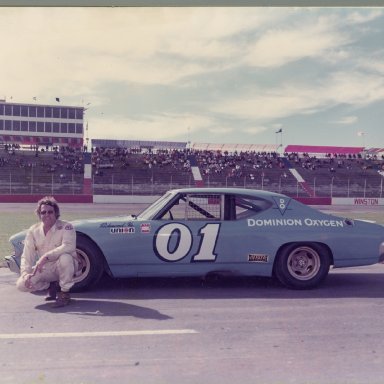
{"type": "Point", "coordinates": [53, 289]}
{"type": "Point", "coordinates": [63, 299]}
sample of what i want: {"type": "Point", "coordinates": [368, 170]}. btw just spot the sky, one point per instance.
{"type": "Point", "coordinates": [247, 75]}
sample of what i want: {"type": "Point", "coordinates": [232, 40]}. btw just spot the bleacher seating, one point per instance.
{"type": "Point", "coordinates": [130, 171]}
{"type": "Point", "coordinates": [40, 172]}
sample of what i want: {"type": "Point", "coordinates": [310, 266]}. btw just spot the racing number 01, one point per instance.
{"type": "Point", "coordinates": [172, 242]}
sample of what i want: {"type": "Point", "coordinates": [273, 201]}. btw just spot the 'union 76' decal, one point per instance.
{"type": "Point", "coordinates": [173, 242]}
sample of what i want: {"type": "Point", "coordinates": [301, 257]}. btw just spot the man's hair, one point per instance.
{"type": "Point", "coordinates": [51, 201]}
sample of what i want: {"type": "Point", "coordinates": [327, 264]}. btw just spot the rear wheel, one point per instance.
{"type": "Point", "coordinates": [302, 266]}
{"type": "Point", "coordinates": [90, 264]}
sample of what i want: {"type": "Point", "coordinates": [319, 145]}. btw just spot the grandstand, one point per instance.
{"type": "Point", "coordinates": [143, 170]}
{"type": "Point", "coordinates": [42, 152]}
{"type": "Point", "coordinates": [142, 167]}
{"type": "Point", "coordinates": [153, 169]}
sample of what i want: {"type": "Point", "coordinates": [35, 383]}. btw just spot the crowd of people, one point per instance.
{"type": "Point", "coordinates": [65, 160]}
{"type": "Point", "coordinates": [237, 164]}
{"type": "Point", "coordinates": [128, 158]}
{"type": "Point", "coordinates": [59, 159]}
{"type": "Point", "coordinates": [332, 162]}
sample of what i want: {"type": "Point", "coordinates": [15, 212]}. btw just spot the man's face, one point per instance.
{"type": "Point", "coordinates": [47, 215]}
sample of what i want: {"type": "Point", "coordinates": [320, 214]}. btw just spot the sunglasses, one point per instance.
{"type": "Point", "coordinates": [46, 212]}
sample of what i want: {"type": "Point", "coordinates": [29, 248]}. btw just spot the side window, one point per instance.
{"type": "Point", "coordinates": [203, 207]}
{"type": "Point", "coordinates": [241, 207]}
{"type": "Point", "coordinates": [195, 207]}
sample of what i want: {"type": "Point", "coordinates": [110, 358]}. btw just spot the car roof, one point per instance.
{"type": "Point", "coordinates": [236, 191]}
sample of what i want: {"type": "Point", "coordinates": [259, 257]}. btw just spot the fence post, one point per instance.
{"type": "Point", "coordinates": [31, 179]}
{"type": "Point", "coordinates": [348, 188]}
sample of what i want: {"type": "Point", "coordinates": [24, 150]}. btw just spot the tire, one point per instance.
{"type": "Point", "coordinates": [302, 266]}
{"type": "Point", "coordinates": [90, 264]}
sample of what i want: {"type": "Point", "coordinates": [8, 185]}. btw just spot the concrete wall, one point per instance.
{"type": "Point", "coordinates": [34, 198]}
{"type": "Point", "coordinates": [105, 199]}
{"type": "Point", "coordinates": [147, 199]}
{"type": "Point", "coordinates": [358, 201]}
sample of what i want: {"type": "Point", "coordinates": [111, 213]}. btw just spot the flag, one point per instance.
{"type": "Point", "coordinates": [58, 99]}
{"type": "Point", "coordinates": [280, 130]}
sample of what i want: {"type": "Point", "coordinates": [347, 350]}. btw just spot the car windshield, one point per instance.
{"type": "Point", "coordinates": [150, 211]}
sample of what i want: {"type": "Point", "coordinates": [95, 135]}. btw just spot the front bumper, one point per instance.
{"type": "Point", "coordinates": [381, 253]}
{"type": "Point", "coordinates": [12, 263]}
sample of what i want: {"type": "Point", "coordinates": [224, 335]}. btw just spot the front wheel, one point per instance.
{"type": "Point", "coordinates": [90, 265]}
{"type": "Point", "coordinates": [302, 266]}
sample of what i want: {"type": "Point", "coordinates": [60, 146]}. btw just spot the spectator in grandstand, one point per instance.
{"type": "Point", "coordinates": [49, 256]}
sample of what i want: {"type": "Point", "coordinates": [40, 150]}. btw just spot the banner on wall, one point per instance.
{"type": "Point", "coordinates": [358, 201]}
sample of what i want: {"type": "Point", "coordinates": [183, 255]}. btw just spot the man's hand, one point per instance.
{"type": "Point", "coordinates": [28, 282]}
{"type": "Point", "coordinates": [40, 264]}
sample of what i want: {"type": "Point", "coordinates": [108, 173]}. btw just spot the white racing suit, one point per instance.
{"type": "Point", "coordinates": [59, 244]}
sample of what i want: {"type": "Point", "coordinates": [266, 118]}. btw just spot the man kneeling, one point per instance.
{"type": "Point", "coordinates": [49, 256]}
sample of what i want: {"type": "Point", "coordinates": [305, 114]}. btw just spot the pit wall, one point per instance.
{"type": "Point", "coordinates": [353, 201]}
{"type": "Point", "coordinates": [35, 198]}
{"type": "Point", "coordinates": [111, 199]}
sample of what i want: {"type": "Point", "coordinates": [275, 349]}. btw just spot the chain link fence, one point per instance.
{"type": "Point", "coordinates": [153, 184]}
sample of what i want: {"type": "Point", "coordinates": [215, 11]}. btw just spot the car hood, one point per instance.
{"type": "Point", "coordinates": [86, 222]}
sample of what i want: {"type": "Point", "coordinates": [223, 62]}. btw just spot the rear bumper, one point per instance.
{"type": "Point", "coordinates": [13, 265]}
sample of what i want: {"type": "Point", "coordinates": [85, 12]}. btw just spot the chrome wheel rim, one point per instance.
{"type": "Point", "coordinates": [304, 263]}
{"type": "Point", "coordinates": [83, 266]}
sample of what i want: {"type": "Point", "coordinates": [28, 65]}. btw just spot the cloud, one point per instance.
{"type": "Point", "coordinates": [373, 64]}
{"type": "Point", "coordinates": [255, 130]}
{"type": "Point", "coordinates": [70, 50]}
{"type": "Point", "coordinates": [203, 71]}
{"type": "Point", "coordinates": [363, 15]}
{"type": "Point", "coordinates": [153, 127]}
{"type": "Point", "coordinates": [347, 120]}
{"type": "Point", "coordinates": [282, 45]}
{"type": "Point", "coordinates": [270, 104]}
{"type": "Point", "coordinates": [292, 98]}
{"type": "Point", "coordinates": [355, 88]}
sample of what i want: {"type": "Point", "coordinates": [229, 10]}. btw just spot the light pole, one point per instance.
{"type": "Point", "coordinates": [281, 138]}
{"type": "Point", "coordinates": [86, 107]}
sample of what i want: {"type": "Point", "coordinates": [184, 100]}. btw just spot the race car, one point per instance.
{"type": "Point", "coordinates": [230, 231]}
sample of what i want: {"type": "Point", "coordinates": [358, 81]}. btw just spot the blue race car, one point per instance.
{"type": "Point", "coordinates": [203, 231]}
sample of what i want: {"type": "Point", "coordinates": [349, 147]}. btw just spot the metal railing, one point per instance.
{"type": "Point", "coordinates": [153, 184]}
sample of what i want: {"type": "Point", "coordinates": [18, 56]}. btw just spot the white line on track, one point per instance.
{"type": "Point", "coordinates": [96, 334]}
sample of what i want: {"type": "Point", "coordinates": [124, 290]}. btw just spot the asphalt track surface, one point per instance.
{"type": "Point", "coordinates": [243, 330]}
{"type": "Point", "coordinates": [190, 331]}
